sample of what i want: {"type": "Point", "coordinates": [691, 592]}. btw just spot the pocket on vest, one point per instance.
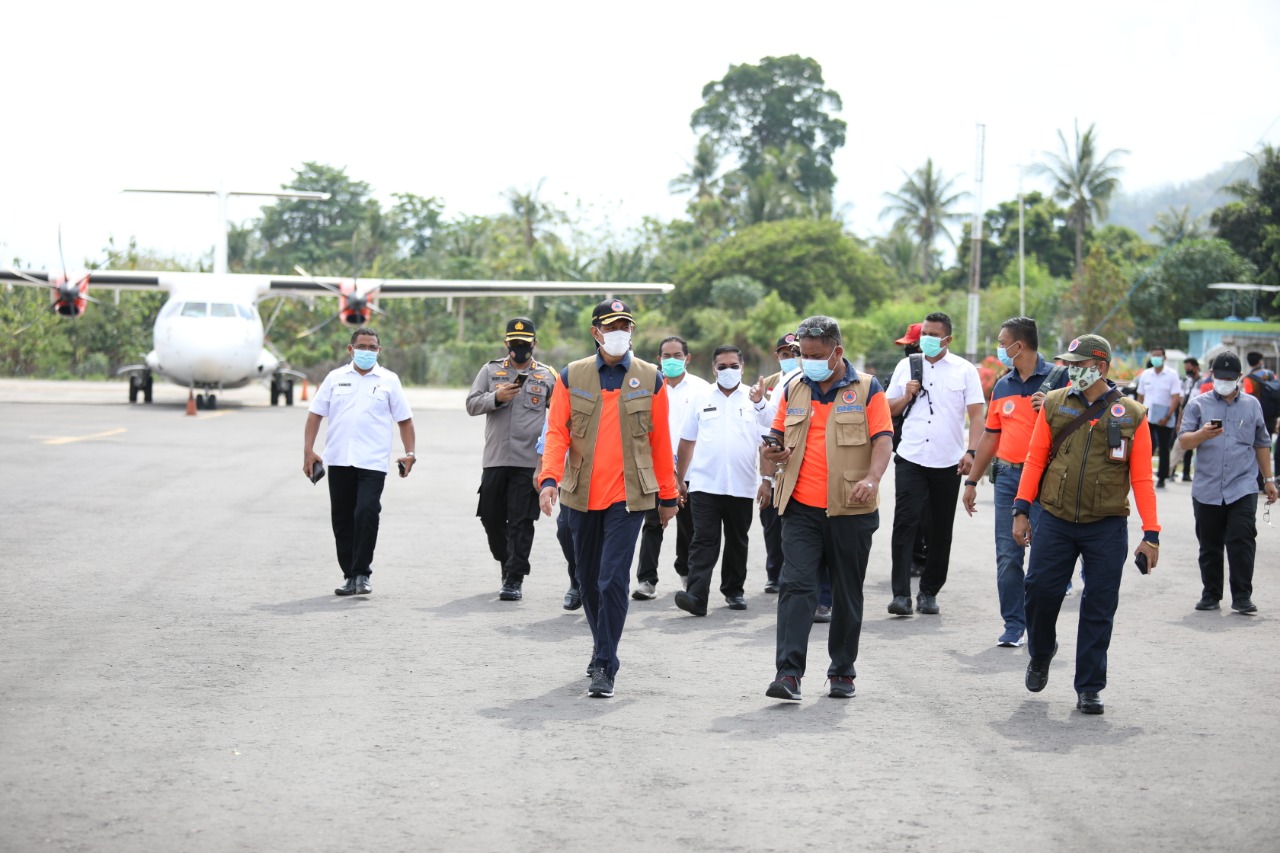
{"type": "Point", "coordinates": [851, 479]}
{"type": "Point", "coordinates": [648, 481]}
{"type": "Point", "coordinates": [640, 415]}
{"type": "Point", "coordinates": [851, 429]}
{"type": "Point", "coordinates": [1111, 491]}
{"type": "Point", "coordinates": [580, 414]}
{"type": "Point", "coordinates": [569, 482]}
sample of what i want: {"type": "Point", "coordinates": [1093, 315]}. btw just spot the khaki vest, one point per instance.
{"type": "Point", "coordinates": [1085, 481]}
{"type": "Point", "coordinates": [848, 444]}
{"type": "Point", "coordinates": [635, 416]}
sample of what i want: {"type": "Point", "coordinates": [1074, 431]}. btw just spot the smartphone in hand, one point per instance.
{"type": "Point", "coordinates": [1216, 423]}
{"type": "Point", "coordinates": [317, 472]}
{"type": "Point", "coordinates": [772, 441]}
{"type": "Point", "coordinates": [1141, 562]}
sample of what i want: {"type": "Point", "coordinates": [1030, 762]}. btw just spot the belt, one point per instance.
{"type": "Point", "coordinates": [1000, 463]}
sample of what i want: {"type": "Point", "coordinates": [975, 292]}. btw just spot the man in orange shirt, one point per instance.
{"type": "Point", "coordinates": [1089, 446]}
{"type": "Point", "coordinates": [609, 413]}
{"type": "Point", "coordinates": [832, 438]}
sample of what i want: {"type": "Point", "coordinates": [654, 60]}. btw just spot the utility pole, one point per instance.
{"type": "Point", "coordinates": [975, 255]}
{"type": "Point", "coordinates": [1022, 266]}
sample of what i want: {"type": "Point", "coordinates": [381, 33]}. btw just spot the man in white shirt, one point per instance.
{"type": "Point", "coordinates": [933, 456]}
{"type": "Point", "coordinates": [1160, 390]}
{"type": "Point", "coordinates": [362, 401]}
{"type": "Point", "coordinates": [682, 388]}
{"type": "Point", "coordinates": [720, 481]}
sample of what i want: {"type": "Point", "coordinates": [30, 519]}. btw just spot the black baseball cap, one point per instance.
{"type": "Point", "coordinates": [787, 341]}
{"type": "Point", "coordinates": [520, 329]}
{"type": "Point", "coordinates": [1226, 365]}
{"type": "Point", "coordinates": [609, 311]}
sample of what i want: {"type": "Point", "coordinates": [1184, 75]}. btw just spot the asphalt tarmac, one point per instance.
{"type": "Point", "coordinates": [176, 674]}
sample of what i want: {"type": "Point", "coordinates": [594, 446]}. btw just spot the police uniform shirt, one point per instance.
{"type": "Point", "coordinates": [933, 434]}
{"type": "Point", "coordinates": [728, 443]}
{"type": "Point", "coordinates": [680, 399]}
{"type": "Point", "coordinates": [361, 411]}
{"type": "Point", "coordinates": [511, 429]}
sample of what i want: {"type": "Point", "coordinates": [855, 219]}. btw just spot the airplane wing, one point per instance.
{"type": "Point", "coordinates": [111, 279]}
{"type": "Point", "coordinates": [388, 288]}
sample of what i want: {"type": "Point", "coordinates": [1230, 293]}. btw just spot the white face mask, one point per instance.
{"type": "Point", "coordinates": [616, 343]}
{"type": "Point", "coordinates": [729, 378]}
{"type": "Point", "coordinates": [1225, 387]}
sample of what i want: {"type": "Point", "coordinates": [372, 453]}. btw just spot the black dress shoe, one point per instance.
{"type": "Point", "coordinates": [363, 587]}
{"type": "Point", "coordinates": [927, 604]}
{"type": "Point", "coordinates": [1207, 603]}
{"type": "Point", "coordinates": [771, 588]}
{"type": "Point", "coordinates": [735, 602]}
{"type": "Point", "coordinates": [572, 598]}
{"type": "Point", "coordinates": [1244, 605]}
{"type": "Point", "coordinates": [348, 588]}
{"type": "Point", "coordinates": [1038, 672]}
{"type": "Point", "coordinates": [1089, 703]}
{"type": "Point", "coordinates": [689, 604]}
{"type": "Point", "coordinates": [901, 605]}
{"type": "Point", "coordinates": [511, 588]}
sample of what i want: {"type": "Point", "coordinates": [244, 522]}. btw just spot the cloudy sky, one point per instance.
{"type": "Point", "coordinates": [463, 101]}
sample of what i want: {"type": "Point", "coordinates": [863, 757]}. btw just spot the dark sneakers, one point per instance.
{"type": "Point", "coordinates": [601, 685]}
{"type": "Point", "coordinates": [1038, 672]}
{"type": "Point", "coordinates": [689, 604]}
{"type": "Point", "coordinates": [901, 605]}
{"type": "Point", "coordinates": [1244, 605]}
{"type": "Point", "coordinates": [572, 598]}
{"type": "Point", "coordinates": [1207, 603]}
{"type": "Point", "coordinates": [785, 687]}
{"type": "Point", "coordinates": [1089, 703]}
{"type": "Point", "coordinates": [348, 588]}
{"type": "Point", "coordinates": [841, 687]}
{"type": "Point", "coordinates": [511, 588]}
{"type": "Point", "coordinates": [771, 588]}
{"type": "Point", "coordinates": [927, 604]}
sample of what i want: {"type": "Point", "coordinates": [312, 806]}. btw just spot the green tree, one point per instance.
{"type": "Point", "coordinates": [1083, 180]}
{"type": "Point", "coordinates": [754, 108]}
{"type": "Point", "coordinates": [1177, 224]}
{"type": "Point", "coordinates": [316, 235]}
{"type": "Point", "coordinates": [923, 208]}
{"type": "Point", "coordinates": [1251, 224]}
{"type": "Point", "coordinates": [1177, 287]}
{"type": "Point", "coordinates": [1086, 304]}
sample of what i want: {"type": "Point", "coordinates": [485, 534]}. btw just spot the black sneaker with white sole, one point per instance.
{"type": "Point", "coordinates": [601, 685]}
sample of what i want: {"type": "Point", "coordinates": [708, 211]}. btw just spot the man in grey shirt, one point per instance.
{"type": "Point", "coordinates": [513, 394]}
{"type": "Point", "coordinates": [1228, 428]}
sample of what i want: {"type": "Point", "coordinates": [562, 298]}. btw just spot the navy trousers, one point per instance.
{"type": "Point", "coordinates": [604, 541]}
{"type": "Point", "coordinates": [1055, 546]}
{"type": "Point", "coordinates": [565, 538]}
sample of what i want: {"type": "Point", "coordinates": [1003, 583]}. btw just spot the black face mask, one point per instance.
{"type": "Point", "coordinates": [520, 352]}
{"type": "Point", "coordinates": [911, 349]}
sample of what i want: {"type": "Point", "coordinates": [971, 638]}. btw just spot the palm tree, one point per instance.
{"type": "Point", "coordinates": [701, 178]}
{"type": "Point", "coordinates": [1177, 224]}
{"type": "Point", "coordinates": [923, 206]}
{"type": "Point", "coordinates": [530, 213]}
{"type": "Point", "coordinates": [1083, 181]}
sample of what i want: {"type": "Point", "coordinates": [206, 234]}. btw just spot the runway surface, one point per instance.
{"type": "Point", "coordinates": [175, 674]}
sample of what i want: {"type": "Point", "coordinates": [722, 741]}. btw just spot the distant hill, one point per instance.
{"type": "Point", "coordinates": [1138, 210]}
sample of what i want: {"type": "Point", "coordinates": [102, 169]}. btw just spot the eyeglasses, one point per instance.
{"type": "Point", "coordinates": [815, 332]}
{"type": "Point", "coordinates": [366, 347]}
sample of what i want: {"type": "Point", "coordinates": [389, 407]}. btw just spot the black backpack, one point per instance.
{"type": "Point", "coordinates": [916, 364]}
{"type": "Point", "coordinates": [1268, 393]}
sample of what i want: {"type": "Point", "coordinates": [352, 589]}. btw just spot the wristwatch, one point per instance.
{"type": "Point", "coordinates": [973, 483]}
{"type": "Point", "coordinates": [411, 454]}
{"type": "Point", "coordinates": [1017, 511]}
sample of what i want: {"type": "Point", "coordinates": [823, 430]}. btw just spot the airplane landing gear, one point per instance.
{"type": "Point", "coordinates": [140, 385]}
{"type": "Point", "coordinates": [207, 401]}
{"type": "Point", "coordinates": [281, 387]}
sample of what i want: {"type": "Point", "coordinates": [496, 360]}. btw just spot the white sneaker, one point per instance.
{"type": "Point", "coordinates": [644, 591]}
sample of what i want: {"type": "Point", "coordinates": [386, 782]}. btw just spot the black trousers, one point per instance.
{"type": "Point", "coordinates": [809, 538]}
{"type": "Point", "coordinates": [771, 524]}
{"type": "Point", "coordinates": [508, 508]}
{"type": "Point", "coordinates": [1230, 526]}
{"type": "Point", "coordinates": [355, 501]}
{"type": "Point", "coordinates": [918, 487]}
{"type": "Point", "coordinates": [651, 544]}
{"type": "Point", "coordinates": [1186, 464]}
{"type": "Point", "coordinates": [1162, 440]}
{"type": "Point", "coordinates": [710, 513]}
{"type": "Point", "coordinates": [565, 537]}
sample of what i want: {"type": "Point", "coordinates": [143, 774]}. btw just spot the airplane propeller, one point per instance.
{"type": "Point", "coordinates": [353, 304]}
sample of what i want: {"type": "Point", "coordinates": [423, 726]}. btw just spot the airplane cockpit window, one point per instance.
{"type": "Point", "coordinates": [195, 309]}
{"type": "Point", "coordinates": [222, 309]}
{"type": "Point", "coordinates": [245, 311]}
{"type": "Point", "coordinates": [170, 308]}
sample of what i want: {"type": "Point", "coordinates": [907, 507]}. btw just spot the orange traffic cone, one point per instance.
{"type": "Point", "coordinates": [191, 403]}
{"type": "Point", "coordinates": [304, 390]}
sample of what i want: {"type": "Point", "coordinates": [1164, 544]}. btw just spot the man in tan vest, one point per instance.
{"type": "Point", "coordinates": [834, 438]}
{"type": "Point", "coordinates": [609, 413]}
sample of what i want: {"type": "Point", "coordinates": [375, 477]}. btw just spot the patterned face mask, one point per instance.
{"type": "Point", "coordinates": [1083, 377]}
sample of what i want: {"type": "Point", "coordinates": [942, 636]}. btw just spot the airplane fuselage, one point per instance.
{"type": "Point", "coordinates": [210, 338]}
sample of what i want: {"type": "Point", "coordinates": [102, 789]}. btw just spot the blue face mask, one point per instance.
{"type": "Point", "coordinates": [816, 369]}
{"type": "Point", "coordinates": [1003, 356]}
{"type": "Point", "coordinates": [787, 365]}
{"type": "Point", "coordinates": [364, 359]}
{"type": "Point", "coordinates": [672, 367]}
{"type": "Point", "coordinates": [1157, 361]}
{"type": "Point", "coordinates": [931, 345]}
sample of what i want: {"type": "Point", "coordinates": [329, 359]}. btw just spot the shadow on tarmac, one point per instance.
{"type": "Point", "coordinates": [548, 630]}
{"type": "Point", "coordinates": [462, 607]}
{"type": "Point", "coordinates": [1217, 621]}
{"type": "Point", "coordinates": [568, 703]}
{"type": "Point", "coordinates": [319, 604]}
{"type": "Point", "coordinates": [805, 717]}
{"type": "Point", "coordinates": [1031, 729]}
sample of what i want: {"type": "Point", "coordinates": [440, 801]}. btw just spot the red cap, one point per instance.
{"type": "Point", "coordinates": [912, 336]}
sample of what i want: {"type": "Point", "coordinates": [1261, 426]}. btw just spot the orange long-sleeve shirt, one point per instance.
{"type": "Point", "coordinates": [608, 484]}
{"type": "Point", "coordinates": [1140, 477]}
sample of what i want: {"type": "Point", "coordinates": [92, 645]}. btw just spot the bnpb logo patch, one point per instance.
{"type": "Point", "coordinates": [616, 306]}
{"type": "Point", "coordinates": [1008, 407]}
{"type": "Point", "coordinates": [850, 396]}
{"type": "Point", "coordinates": [1118, 410]}
{"type": "Point", "coordinates": [633, 382]}
{"type": "Point", "coordinates": [1075, 343]}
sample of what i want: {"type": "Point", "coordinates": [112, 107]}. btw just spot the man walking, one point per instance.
{"type": "Point", "coordinates": [1015, 402]}
{"type": "Point", "coordinates": [1161, 391]}
{"type": "Point", "coordinates": [932, 457]}
{"type": "Point", "coordinates": [609, 413]}
{"type": "Point", "coordinates": [787, 354]}
{"type": "Point", "coordinates": [512, 393]}
{"type": "Point", "coordinates": [834, 438]}
{"type": "Point", "coordinates": [362, 401]}
{"type": "Point", "coordinates": [682, 388]}
{"type": "Point", "coordinates": [1256, 383]}
{"type": "Point", "coordinates": [1190, 387]}
{"type": "Point", "coordinates": [1089, 447]}
{"type": "Point", "coordinates": [1228, 428]}
{"type": "Point", "coordinates": [719, 458]}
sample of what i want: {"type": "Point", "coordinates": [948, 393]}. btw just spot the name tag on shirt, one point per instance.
{"type": "Point", "coordinates": [708, 413]}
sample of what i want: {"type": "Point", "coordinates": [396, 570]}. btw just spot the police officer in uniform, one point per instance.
{"type": "Point", "coordinates": [609, 413]}
{"type": "Point", "coordinates": [1090, 445]}
{"type": "Point", "coordinates": [513, 394]}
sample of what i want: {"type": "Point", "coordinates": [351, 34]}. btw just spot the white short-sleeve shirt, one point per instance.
{"type": "Point", "coordinates": [1158, 390]}
{"type": "Point", "coordinates": [933, 433]}
{"type": "Point", "coordinates": [680, 399]}
{"type": "Point", "coordinates": [362, 411]}
{"type": "Point", "coordinates": [726, 458]}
